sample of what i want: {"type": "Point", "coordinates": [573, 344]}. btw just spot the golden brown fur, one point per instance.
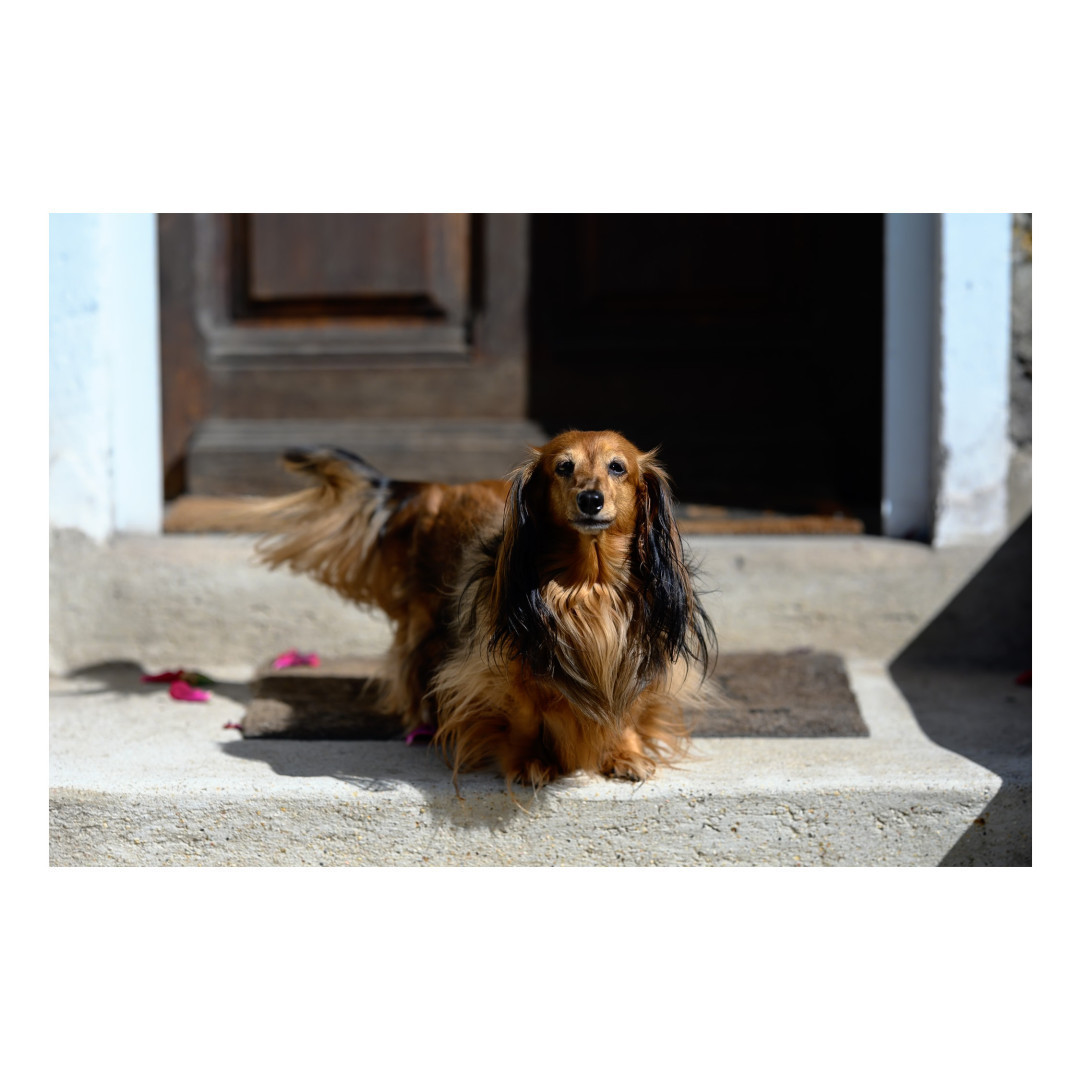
{"type": "Point", "coordinates": [547, 624]}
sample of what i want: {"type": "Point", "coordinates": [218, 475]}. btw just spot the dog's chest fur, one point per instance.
{"type": "Point", "coordinates": [597, 657]}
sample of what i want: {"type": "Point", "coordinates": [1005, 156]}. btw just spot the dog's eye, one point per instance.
{"type": "Point", "coordinates": [565, 468]}
{"type": "Point", "coordinates": [617, 468]}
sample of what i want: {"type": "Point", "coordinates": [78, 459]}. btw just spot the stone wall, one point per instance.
{"type": "Point", "coordinates": [1021, 334]}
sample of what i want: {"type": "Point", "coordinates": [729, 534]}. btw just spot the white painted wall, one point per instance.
{"type": "Point", "coordinates": [974, 377]}
{"type": "Point", "coordinates": [104, 387]}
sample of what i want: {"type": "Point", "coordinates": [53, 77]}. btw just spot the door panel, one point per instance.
{"type": "Point", "coordinates": [363, 264]}
{"type": "Point", "coordinates": [325, 318]}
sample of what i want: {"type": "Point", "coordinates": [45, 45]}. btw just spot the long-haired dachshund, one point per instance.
{"type": "Point", "coordinates": [547, 623]}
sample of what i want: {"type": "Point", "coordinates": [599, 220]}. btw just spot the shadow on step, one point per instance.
{"type": "Point", "coordinates": [967, 677]}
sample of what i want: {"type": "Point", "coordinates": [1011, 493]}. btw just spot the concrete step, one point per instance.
{"type": "Point", "coordinates": [138, 779]}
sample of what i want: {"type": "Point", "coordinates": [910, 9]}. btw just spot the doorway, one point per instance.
{"type": "Point", "coordinates": [747, 346]}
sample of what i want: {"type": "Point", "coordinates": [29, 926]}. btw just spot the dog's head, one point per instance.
{"type": "Point", "coordinates": [587, 482]}
{"type": "Point", "coordinates": [586, 489]}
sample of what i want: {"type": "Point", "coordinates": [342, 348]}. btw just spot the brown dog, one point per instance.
{"type": "Point", "coordinates": [548, 623]}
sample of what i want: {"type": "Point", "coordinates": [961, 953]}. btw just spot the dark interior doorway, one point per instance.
{"type": "Point", "coordinates": [749, 346]}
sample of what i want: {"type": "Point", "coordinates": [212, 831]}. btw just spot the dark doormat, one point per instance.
{"type": "Point", "coordinates": [798, 694]}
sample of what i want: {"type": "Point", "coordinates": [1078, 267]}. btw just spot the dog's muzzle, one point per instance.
{"type": "Point", "coordinates": [590, 503]}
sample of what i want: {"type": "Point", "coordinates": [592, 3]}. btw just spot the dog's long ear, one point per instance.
{"type": "Point", "coordinates": [520, 619]}
{"type": "Point", "coordinates": [673, 621]}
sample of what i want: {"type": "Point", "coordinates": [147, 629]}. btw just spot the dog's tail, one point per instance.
{"type": "Point", "coordinates": [332, 530]}
{"type": "Point", "coordinates": [347, 529]}
{"type": "Point", "coordinates": [373, 539]}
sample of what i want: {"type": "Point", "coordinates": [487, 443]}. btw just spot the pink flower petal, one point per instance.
{"type": "Point", "coordinates": [292, 658]}
{"type": "Point", "coordinates": [195, 678]}
{"type": "Point", "coordinates": [164, 676]}
{"type": "Point", "coordinates": [182, 691]}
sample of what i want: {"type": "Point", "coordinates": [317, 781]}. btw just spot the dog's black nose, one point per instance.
{"type": "Point", "coordinates": [590, 502]}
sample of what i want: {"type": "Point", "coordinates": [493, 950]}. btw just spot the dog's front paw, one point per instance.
{"type": "Point", "coordinates": [621, 769]}
{"type": "Point", "coordinates": [534, 774]}
{"type": "Point", "coordinates": [627, 760]}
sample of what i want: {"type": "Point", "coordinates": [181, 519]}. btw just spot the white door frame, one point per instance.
{"type": "Point", "coordinates": [946, 354]}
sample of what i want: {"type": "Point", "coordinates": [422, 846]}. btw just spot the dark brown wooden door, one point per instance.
{"type": "Point", "coordinates": [402, 336]}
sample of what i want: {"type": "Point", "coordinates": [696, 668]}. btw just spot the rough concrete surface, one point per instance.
{"type": "Point", "coordinates": [203, 601]}
{"type": "Point", "coordinates": [138, 779]}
